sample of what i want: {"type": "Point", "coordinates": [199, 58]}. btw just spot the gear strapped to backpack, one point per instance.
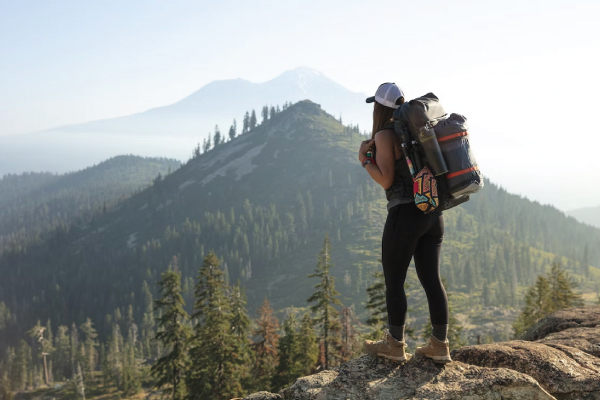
{"type": "Point", "coordinates": [438, 146]}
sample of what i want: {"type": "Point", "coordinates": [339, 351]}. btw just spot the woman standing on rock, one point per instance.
{"type": "Point", "coordinates": [408, 233]}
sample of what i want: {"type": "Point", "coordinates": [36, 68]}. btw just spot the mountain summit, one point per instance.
{"type": "Point", "coordinates": [173, 130]}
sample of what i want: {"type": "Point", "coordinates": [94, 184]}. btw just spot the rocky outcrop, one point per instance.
{"type": "Point", "coordinates": [584, 339]}
{"type": "Point", "coordinates": [558, 369]}
{"type": "Point", "coordinates": [376, 378]}
{"type": "Point", "coordinates": [562, 353]}
{"type": "Point", "coordinates": [560, 360]}
{"type": "Point", "coordinates": [584, 317]}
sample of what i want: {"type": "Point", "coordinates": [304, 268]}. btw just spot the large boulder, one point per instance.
{"type": "Point", "coordinates": [375, 378]}
{"type": "Point", "coordinates": [584, 339]}
{"type": "Point", "coordinates": [584, 317]}
{"type": "Point", "coordinates": [564, 371]}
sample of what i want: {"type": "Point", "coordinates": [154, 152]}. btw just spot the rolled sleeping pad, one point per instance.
{"type": "Point", "coordinates": [463, 177]}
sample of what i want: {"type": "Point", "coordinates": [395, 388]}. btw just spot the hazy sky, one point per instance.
{"type": "Point", "coordinates": [524, 72]}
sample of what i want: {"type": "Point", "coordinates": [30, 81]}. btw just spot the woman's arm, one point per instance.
{"type": "Point", "coordinates": [383, 172]}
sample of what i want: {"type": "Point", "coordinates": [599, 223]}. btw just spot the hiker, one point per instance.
{"type": "Point", "coordinates": [408, 233]}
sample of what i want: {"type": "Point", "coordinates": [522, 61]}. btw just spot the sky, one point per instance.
{"type": "Point", "coordinates": [525, 73]}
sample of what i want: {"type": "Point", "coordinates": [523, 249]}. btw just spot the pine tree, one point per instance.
{"type": "Point", "coordinates": [252, 122]}
{"type": "Point", "coordinates": [206, 145]}
{"type": "Point", "coordinates": [217, 136]}
{"type": "Point", "coordinates": [20, 367]}
{"type": "Point", "coordinates": [74, 352]}
{"type": "Point", "coordinates": [265, 114]}
{"type": "Point", "coordinates": [115, 357]}
{"type": "Point", "coordinates": [61, 354]}
{"type": "Point", "coordinates": [272, 112]}
{"type": "Point", "coordinates": [246, 123]}
{"type": "Point", "coordinates": [44, 346]}
{"type": "Point", "coordinates": [241, 326]}
{"type": "Point", "coordinates": [173, 333]}
{"type": "Point", "coordinates": [562, 289]}
{"type": "Point", "coordinates": [240, 321]}
{"type": "Point", "coordinates": [548, 294]}
{"type": "Point", "coordinates": [326, 298]}
{"type": "Point", "coordinates": [233, 130]}
{"type": "Point", "coordinates": [265, 349]}
{"type": "Point", "coordinates": [309, 348]}
{"type": "Point", "coordinates": [217, 369]}
{"type": "Point", "coordinates": [537, 305]}
{"type": "Point", "coordinates": [90, 345]}
{"type": "Point", "coordinates": [131, 376]}
{"type": "Point", "coordinates": [147, 322]}
{"type": "Point", "coordinates": [5, 392]}
{"type": "Point", "coordinates": [287, 353]}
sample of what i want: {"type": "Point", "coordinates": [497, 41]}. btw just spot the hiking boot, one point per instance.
{"type": "Point", "coordinates": [435, 349]}
{"type": "Point", "coordinates": [387, 347]}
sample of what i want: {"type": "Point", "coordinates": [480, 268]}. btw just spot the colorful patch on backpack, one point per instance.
{"type": "Point", "coordinates": [425, 190]}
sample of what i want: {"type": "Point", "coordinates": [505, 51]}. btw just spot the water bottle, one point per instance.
{"type": "Point", "coordinates": [432, 150]}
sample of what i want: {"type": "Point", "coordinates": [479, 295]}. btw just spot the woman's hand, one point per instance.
{"type": "Point", "coordinates": [364, 147]}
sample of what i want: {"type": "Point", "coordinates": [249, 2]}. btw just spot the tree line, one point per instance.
{"type": "Point", "coordinates": [249, 122]}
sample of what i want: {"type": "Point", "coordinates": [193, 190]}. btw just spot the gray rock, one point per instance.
{"type": "Point", "coordinates": [564, 371]}
{"type": "Point", "coordinates": [375, 378]}
{"type": "Point", "coordinates": [262, 396]}
{"type": "Point", "coordinates": [584, 339]}
{"type": "Point", "coordinates": [564, 319]}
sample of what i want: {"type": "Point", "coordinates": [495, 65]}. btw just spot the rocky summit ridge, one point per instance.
{"type": "Point", "coordinates": [557, 358]}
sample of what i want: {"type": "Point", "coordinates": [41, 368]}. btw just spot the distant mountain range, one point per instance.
{"type": "Point", "coordinates": [587, 215]}
{"type": "Point", "coordinates": [32, 203]}
{"type": "Point", "coordinates": [173, 131]}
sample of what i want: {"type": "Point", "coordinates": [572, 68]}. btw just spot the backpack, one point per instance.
{"type": "Point", "coordinates": [463, 177]}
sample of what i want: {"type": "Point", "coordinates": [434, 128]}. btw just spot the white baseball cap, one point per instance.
{"type": "Point", "coordinates": [387, 94]}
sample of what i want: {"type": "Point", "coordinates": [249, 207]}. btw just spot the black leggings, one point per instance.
{"type": "Point", "coordinates": [409, 232]}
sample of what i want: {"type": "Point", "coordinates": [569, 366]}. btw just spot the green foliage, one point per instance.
{"type": "Point", "coordinates": [173, 333]}
{"type": "Point", "coordinates": [297, 351]}
{"type": "Point", "coordinates": [326, 297]}
{"type": "Point", "coordinates": [218, 354]}
{"type": "Point", "coordinates": [233, 130]}
{"type": "Point", "coordinates": [287, 351]}
{"type": "Point", "coordinates": [551, 292]}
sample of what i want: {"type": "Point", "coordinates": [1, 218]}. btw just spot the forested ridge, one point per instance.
{"type": "Point", "coordinates": [35, 202]}
{"type": "Point", "coordinates": [262, 202]}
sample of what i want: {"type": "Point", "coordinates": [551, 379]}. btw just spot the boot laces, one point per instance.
{"type": "Point", "coordinates": [384, 340]}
